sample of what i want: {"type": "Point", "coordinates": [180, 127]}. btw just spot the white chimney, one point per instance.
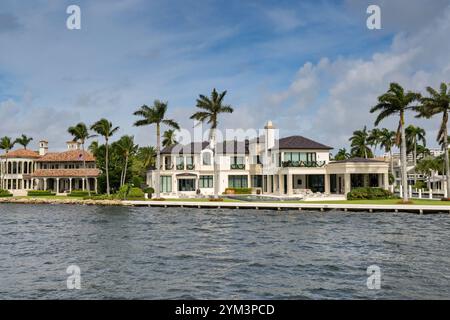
{"type": "Point", "coordinates": [43, 147]}
{"type": "Point", "coordinates": [269, 131]}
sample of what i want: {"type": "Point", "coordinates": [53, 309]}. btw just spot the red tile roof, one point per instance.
{"type": "Point", "coordinates": [21, 153]}
{"type": "Point", "coordinates": [65, 173]}
{"type": "Point", "coordinates": [67, 156]}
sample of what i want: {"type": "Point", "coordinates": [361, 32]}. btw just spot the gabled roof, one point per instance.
{"type": "Point", "coordinates": [67, 156]}
{"type": "Point", "coordinates": [300, 142]}
{"type": "Point", "coordinates": [22, 153]}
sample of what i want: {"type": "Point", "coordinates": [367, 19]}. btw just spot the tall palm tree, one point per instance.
{"type": "Point", "coordinates": [81, 134]}
{"type": "Point", "coordinates": [342, 154]}
{"type": "Point", "coordinates": [147, 155]}
{"type": "Point", "coordinates": [437, 102]}
{"type": "Point", "coordinates": [360, 144]}
{"type": "Point", "coordinates": [105, 128]}
{"type": "Point", "coordinates": [169, 138]}
{"type": "Point", "coordinates": [387, 141]}
{"type": "Point", "coordinates": [396, 102]}
{"type": "Point", "coordinates": [156, 115]}
{"type": "Point", "coordinates": [126, 148]}
{"type": "Point", "coordinates": [210, 109]}
{"type": "Point", "coordinates": [24, 141]}
{"type": "Point", "coordinates": [413, 136]}
{"type": "Point", "coordinates": [6, 144]}
{"type": "Point", "coordinates": [93, 147]}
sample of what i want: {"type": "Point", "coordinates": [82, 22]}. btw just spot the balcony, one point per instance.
{"type": "Point", "coordinates": [190, 166]}
{"type": "Point", "coordinates": [168, 166]}
{"type": "Point", "coordinates": [303, 164]}
{"type": "Point", "coordinates": [236, 166]}
{"type": "Point", "coordinates": [180, 166]}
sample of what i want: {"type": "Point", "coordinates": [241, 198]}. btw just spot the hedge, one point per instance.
{"type": "Point", "coordinates": [238, 191]}
{"type": "Point", "coordinates": [135, 193]}
{"type": "Point", "coordinates": [5, 193]}
{"type": "Point", "coordinates": [39, 193]}
{"type": "Point", "coordinates": [78, 193]}
{"type": "Point", "coordinates": [370, 194]}
{"type": "Point", "coordinates": [99, 197]}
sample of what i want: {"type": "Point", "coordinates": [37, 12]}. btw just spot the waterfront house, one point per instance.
{"type": "Point", "coordinates": [59, 172]}
{"type": "Point", "coordinates": [289, 166]}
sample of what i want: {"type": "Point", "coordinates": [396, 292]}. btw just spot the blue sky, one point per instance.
{"type": "Point", "coordinates": [312, 67]}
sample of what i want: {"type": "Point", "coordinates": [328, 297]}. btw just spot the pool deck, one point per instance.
{"type": "Point", "coordinates": [419, 209]}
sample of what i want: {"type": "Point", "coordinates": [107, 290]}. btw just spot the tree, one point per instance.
{"type": "Point", "coordinates": [342, 154]}
{"type": "Point", "coordinates": [169, 138]}
{"type": "Point", "coordinates": [24, 141]}
{"type": "Point", "coordinates": [156, 115]}
{"type": "Point", "coordinates": [387, 141]}
{"type": "Point", "coordinates": [396, 102]}
{"type": "Point", "coordinates": [428, 166]}
{"type": "Point", "coordinates": [6, 144]}
{"type": "Point", "coordinates": [126, 148]}
{"type": "Point", "coordinates": [210, 109]}
{"type": "Point", "coordinates": [438, 102]}
{"type": "Point", "coordinates": [81, 134]}
{"type": "Point", "coordinates": [413, 136]}
{"type": "Point", "coordinates": [374, 137]}
{"type": "Point", "coordinates": [105, 128]}
{"type": "Point", "coordinates": [360, 144]}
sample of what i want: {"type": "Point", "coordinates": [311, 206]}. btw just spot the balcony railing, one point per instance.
{"type": "Point", "coordinates": [180, 166]}
{"type": "Point", "coordinates": [303, 164]}
{"type": "Point", "coordinates": [169, 166]}
{"type": "Point", "coordinates": [236, 166]}
{"type": "Point", "coordinates": [190, 166]}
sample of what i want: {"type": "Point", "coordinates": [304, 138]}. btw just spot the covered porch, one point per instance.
{"type": "Point", "coordinates": [65, 185]}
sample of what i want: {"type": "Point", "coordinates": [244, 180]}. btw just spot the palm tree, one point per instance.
{"type": "Point", "coordinates": [126, 148]}
{"type": "Point", "coordinates": [374, 137]}
{"type": "Point", "coordinates": [105, 128]}
{"type": "Point", "coordinates": [147, 155]}
{"type": "Point", "coordinates": [6, 144]}
{"type": "Point", "coordinates": [24, 141]}
{"type": "Point", "coordinates": [428, 166]}
{"type": "Point", "coordinates": [342, 154]}
{"type": "Point", "coordinates": [413, 136]}
{"type": "Point", "coordinates": [387, 141]}
{"type": "Point", "coordinates": [437, 102]}
{"type": "Point", "coordinates": [395, 102]}
{"type": "Point", "coordinates": [93, 147]}
{"type": "Point", "coordinates": [156, 115]}
{"type": "Point", "coordinates": [360, 144]}
{"type": "Point", "coordinates": [169, 138]}
{"type": "Point", "coordinates": [211, 108]}
{"type": "Point", "coordinates": [80, 134]}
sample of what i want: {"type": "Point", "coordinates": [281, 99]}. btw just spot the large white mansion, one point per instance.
{"type": "Point", "coordinates": [286, 166]}
{"type": "Point", "coordinates": [60, 172]}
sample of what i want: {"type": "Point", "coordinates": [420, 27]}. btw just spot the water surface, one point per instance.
{"type": "Point", "coordinates": [171, 253]}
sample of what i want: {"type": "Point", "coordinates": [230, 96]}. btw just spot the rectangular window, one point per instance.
{"type": "Point", "coordinates": [206, 158]}
{"type": "Point", "coordinates": [237, 181]}
{"type": "Point", "coordinates": [186, 184]}
{"type": "Point", "coordinates": [257, 181]}
{"type": "Point", "coordinates": [206, 182]}
{"type": "Point", "coordinates": [180, 163]}
{"type": "Point", "coordinates": [166, 184]}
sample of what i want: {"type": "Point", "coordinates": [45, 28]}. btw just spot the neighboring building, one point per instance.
{"type": "Point", "coordinates": [60, 172]}
{"type": "Point", "coordinates": [286, 166]}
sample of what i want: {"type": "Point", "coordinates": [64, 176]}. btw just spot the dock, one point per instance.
{"type": "Point", "coordinates": [280, 206]}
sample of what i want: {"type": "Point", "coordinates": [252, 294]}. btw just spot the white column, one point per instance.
{"type": "Point", "coordinates": [70, 185]}
{"type": "Point", "coordinates": [45, 183]}
{"type": "Point", "coordinates": [401, 191]}
{"type": "Point", "coordinates": [57, 185]}
{"type": "Point", "coordinates": [347, 183]}
{"type": "Point", "coordinates": [327, 183]}
{"type": "Point", "coordinates": [280, 184]}
{"type": "Point", "coordinates": [289, 184]}
{"type": "Point", "coordinates": [430, 194]}
{"type": "Point", "coordinates": [410, 191]}
{"type": "Point", "coordinates": [420, 193]}
{"type": "Point", "coordinates": [83, 183]}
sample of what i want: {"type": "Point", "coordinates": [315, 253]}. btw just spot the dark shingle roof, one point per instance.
{"type": "Point", "coordinates": [192, 148]}
{"type": "Point", "coordinates": [300, 142]}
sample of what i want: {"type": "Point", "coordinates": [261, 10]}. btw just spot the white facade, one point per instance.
{"type": "Point", "coordinates": [267, 165]}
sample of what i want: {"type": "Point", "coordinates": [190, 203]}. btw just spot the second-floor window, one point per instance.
{"type": "Point", "coordinates": [180, 163]}
{"type": "Point", "coordinates": [168, 163]}
{"type": "Point", "coordinates": [237, 163]}
{"type": "Point", "coordinates": [190, 163]}
{"type": "Point", "coordinates": [206, 156]}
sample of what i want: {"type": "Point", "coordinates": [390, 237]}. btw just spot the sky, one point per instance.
{"type": "Point", "coordinates": [312, 67]}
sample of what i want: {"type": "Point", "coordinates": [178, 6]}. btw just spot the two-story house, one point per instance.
{"type": "Point", "coordinates": [266, 164]}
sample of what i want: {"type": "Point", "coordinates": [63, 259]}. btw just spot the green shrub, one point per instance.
{"type": "Point", "coordinates": [5, 193]}
{"type": "Point", "coordinates": [79, 193]}
{"type": "Point", "coordinates": [134, 193]}
{"type": "Point", "coordinates": [420, 185]}
{"type": "Point", "coordinates": [123, 192]}
{"type": "Point", "coordinates": [370, 194]}
{"type": "Point", "coordinates": [238, 191]}
{"type": "Point", "coordinates": [149, 191]}
{"type": "Point", "coordinates": [40, 193]}
{"type": "Point", "coordinates": [99, 197]}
